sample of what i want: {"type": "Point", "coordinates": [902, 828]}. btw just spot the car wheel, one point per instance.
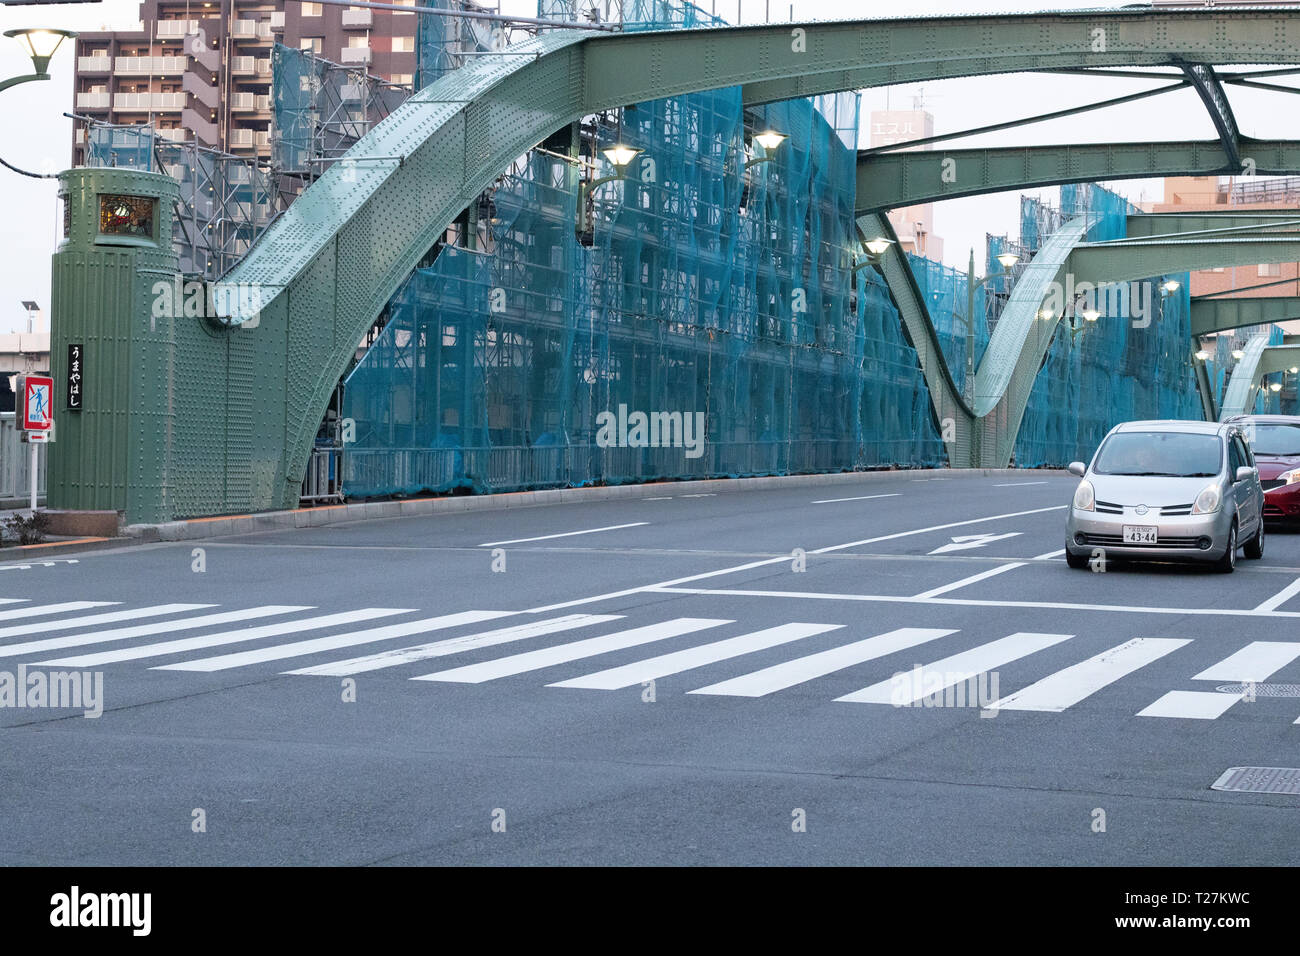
{"type": "Point", "coordinates": [1228, 563]}
{"type": "Point", "coordinates": [1255, 546]}
{"type": "Point", "coordinates": [1076, 561]}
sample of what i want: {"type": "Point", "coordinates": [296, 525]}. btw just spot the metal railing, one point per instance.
{"type": "Point", "coordinates": [15, 462]}
{"type": "Point", "coordinates": [323, 479]}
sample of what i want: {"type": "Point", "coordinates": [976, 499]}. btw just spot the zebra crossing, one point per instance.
{"type": "Point", "coordinates": [183, 636]}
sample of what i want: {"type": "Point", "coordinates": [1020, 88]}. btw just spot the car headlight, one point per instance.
{"type": "Point", "coordinates": [1290, 477]}
{"type": "Point", "coordinates": [1207, 501]}
{"type": "Point", "coordinates": [1084, 499]}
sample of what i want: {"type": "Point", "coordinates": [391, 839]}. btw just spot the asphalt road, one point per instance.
{"type": "Point", "coordinates": [725, 743]}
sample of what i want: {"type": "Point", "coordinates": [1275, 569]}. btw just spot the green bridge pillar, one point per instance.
{"type": "Point", "coordinates": [111, 453]}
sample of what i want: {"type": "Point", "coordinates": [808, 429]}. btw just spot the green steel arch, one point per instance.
{"type": "Point", "coordinates": [892, 180]}
{"type": "Point", "coordinates": [1260, 359]}
{"type": "Point", "coordinates": [316, 280]}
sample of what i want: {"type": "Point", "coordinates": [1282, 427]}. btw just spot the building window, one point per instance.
{"type": "Point", "coordinates": [403, 3]}
{"type": "Point", "coordinates": [311, 44]}
{"type": "Point", "coordinates": [358, 43]}
{"type": "Point", "coordinates": [403, 44]}
{"type": "Point", "coordinates": [402, 79]}
{"type": "Point", "coordinates": [313, 9]}
{"type": "Point", "coordinates": [1270, 270]}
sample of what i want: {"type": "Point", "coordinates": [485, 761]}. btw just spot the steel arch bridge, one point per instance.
{"type": "Point", "coordinates": [243, 397]}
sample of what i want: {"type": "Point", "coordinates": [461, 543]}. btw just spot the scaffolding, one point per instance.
{"type": "Point", "coordinates": [320, 109]}
{"type": "Point", "coordinates": [716, 284]}
{"type": "Point", "coordinates": [224, 203]}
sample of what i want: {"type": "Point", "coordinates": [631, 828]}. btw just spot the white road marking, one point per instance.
{"type": "Point", "coordinates": [563, 653]}
{"type": "Point", "coordinates": [653, 667]}
{"type": "Point", "coordinates": [935, 592]}
{"type": "Point", "coordinates": [106, 618]}
{"type": "Point", "coordinates": [1067, 687]}
{"type": "Point", "coordinates": [12, 600]}
{"type": "Point", "coordinates": [1281, 597]}
{"type": "Point", "coordinates": [38, 610]}
{"type": "Point", "coordinates": [965, 542]}
{"type": "Point", "coordinates": [224, 637]}
{"type": "Point", "coordinates": [564, 534]}
{"type": "Point", "coordinates": [783, 559]}
{"type": "Point", "coordinates": [1254, 662]}
{"type": "Point", "coordinates": [143, 630]}
{"type": "Point", "coordinates": [455, 645]}
{"type": "Point", "coordinates": [831, 501]}
{"type": "Point", "coordinates": [277, 652]}
{"type": "Point", "coordinates": [711, 494]}
{"type": "Point", "coordinates": [662, 498]}
{"type": "Point", "coordinates": [803, 669]}
{"type": "Point", "coordinates": [949, 671]}
{"type": "Point", "coordinates": [1048, 556]}
{"type": "Point", "coordinates": [973, 602]}
{"type": "Point", "coordinates": [1020, 484]}
{"type": "Point", "coordinates": [1191, 704]}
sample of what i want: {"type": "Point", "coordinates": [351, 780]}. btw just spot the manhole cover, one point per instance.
{"type": "Point", "coordinates": [1259, 780]}
{"type": "Point", "coordinates": [1261, 690]}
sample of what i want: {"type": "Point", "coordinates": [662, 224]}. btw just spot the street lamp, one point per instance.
{"type": "Point", "coordinates": [619, 156]}
{"type": "Point", "coordinates": [1202, 355]}
{"type": "Point", "coordinates": [1006, 260]}
{"type": "Point", "coordinates": [875, 249]}
{"type": "Point", "coordinates": [1238, 354]}
{"type": "Point", "coordinates": [769, 140]}
{"type": "Point", "coordinates": [1275, 386]}
{"type": "Point", "coordinates": [40, 45]}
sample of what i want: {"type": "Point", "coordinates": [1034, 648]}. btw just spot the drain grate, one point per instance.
{"type": "Point", "coordinates": [1261, 690]}
{"type": "Point", "coordinates": [1259, 780]}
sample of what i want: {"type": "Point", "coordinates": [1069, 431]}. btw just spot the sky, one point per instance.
{"type": "Point", "coordinates": [35, 135]}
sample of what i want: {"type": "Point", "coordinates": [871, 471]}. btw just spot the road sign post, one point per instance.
{"type": "Point", "coordinates": [36, 418]}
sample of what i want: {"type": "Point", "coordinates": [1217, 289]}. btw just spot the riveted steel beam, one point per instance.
{"type": "Point", "coordinates": [1125, 261]}
{"type": "Point", "coordinates": [1208, 87]}
{"type": "Point", "coordinates": [1221, 315]}
{"type": "Point", "coordinates": [1153, 225]}
{"type": "Point", "coordinates": [892, 180]}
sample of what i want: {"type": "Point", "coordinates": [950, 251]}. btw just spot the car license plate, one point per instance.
{"type": "Point", "coordinates": [1139, 534]}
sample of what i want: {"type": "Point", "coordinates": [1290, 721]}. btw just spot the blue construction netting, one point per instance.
{"type": "Point", "coordinates": [1133, 362]}
{"type": "Point", "coordinates": [705, 291]}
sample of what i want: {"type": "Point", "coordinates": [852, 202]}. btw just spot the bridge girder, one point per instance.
{"type": "Point", "coordinates": [1260, 359]}
{"type": "Point", "coordinates": [896, 179]}
{"type": "Point", "coordinates": [1223, 315]}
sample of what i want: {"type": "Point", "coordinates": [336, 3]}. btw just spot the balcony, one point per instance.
{"type": "Point", "coordinates": [277, 20]}
{"type": "Point", "coordinates": [93, 101]}
{"type": "Point", "coordinates": [147, 102]}
{"type": "Point", "coordinates": [264, 67]}
{"type": "Point", "coordinates": [243, 65]}
{"type": "Point", "coordinates": [241, 138]}
{"type": "Point", "coordinates": [244, 29]}
{"type": "Point", "coordinates": [149, 65]}
{"type": "Point", "coordinates": [177, 28]}
{"type": "Point", "coordinates": [355, 55]}
{"type": "Point", "coordinates": [357, 19]}
{"type": "Point", "coordinates": [177, 135]}
{"type": "Point", "coordinates": [95, 64]}
{"type": "Point", "coordinates": [250, 102]}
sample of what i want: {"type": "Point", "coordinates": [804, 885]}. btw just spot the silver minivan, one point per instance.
{"type": "Point", "coordinates": [1167, 491]}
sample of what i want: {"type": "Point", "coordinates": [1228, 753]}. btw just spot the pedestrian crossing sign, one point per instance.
{"type": "Point", "coordinates": [37, 393]}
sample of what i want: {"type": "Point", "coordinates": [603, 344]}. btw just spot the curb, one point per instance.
{"type": "Point", "coordinates": [35, 552]}
{"type": "Point", "coordinates": [197, 528]}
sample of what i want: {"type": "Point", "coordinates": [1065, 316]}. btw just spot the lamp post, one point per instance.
{"type": "Point", "coordinates": [875, 249]}
{"type": "Point", "coordinates": [619, 156]}
{"type": "Point", "coordinates": [1007, 259]}
{"type": "Point", "coordinates": [40, 45]}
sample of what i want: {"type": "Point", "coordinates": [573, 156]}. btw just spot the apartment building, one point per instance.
{"type": "Point", "coordinates": [200, 70]}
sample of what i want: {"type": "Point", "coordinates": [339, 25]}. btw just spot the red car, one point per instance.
{"type": "Point", "coordinates": [1275, 442]}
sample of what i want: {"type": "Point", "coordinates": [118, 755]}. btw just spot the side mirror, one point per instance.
{"type": "Point", "coordinates": [1078, 469]}
{"type": "Point", "coordinates": [1244, 473]}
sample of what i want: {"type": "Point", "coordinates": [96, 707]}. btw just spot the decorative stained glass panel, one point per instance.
{"type": "Point", "coordinates": [126, 216]}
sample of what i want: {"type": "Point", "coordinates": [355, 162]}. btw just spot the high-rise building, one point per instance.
{"type": "Point", "coordinates": [913, 224]}
{"type": "Point", "coordinates": [200, 70]}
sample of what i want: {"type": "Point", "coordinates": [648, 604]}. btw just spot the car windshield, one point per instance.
{"type": "Point", "coordinates": [1276, 440]}
{"type": "Point", "coordinates": [1169, 454]}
